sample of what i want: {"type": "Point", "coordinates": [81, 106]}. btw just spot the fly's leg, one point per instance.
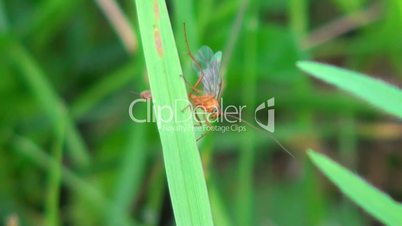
{"type": "Point", "coordinates": [207, 122]}
{"type": "Point", "coordinates": [205, 134]}
{"type": "Point", "coordinates": [193, 88]}
{"type": "Point", "coordinates": [185, 108]}
{"type": "Point", "coordinates": [198, 81]}
{"type": "Point", "coordinates": [193, 59]}
{"type": "Point", "coordinates": [198, 120]}
{"type": "Point", "coordinates": [199, 123]}
{"type": "Point", "coordinates": [208, 131]}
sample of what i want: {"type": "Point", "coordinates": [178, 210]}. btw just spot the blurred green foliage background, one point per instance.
{"type": "Point", "coordinates": [69, 70]}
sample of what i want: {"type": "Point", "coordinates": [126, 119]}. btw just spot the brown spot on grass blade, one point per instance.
{"type": "Point", "coordinates": [158, 41]}
{"type": "Point", "coordinates": [156, 10]}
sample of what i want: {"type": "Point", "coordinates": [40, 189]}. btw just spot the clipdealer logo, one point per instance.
{"type": "Point", "coordinates": [230, 114]}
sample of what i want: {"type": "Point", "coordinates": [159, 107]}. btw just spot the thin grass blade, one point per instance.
{"type": "Point", "coordinates": [376, 92]}
{"type": "Point", "coordinates": [55, 174]}
{"type": "Point", "coordinates": [372, 200]}
{"type": "Point", "coordinates": [48, 98]}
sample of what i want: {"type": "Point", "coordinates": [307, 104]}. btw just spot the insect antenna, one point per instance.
{"type": "Point", "coordinates": [259, 129]}
{"type": "Point", "coordinates": [197, 64]}
{"type": "Point", "coordinates": [135, 93]}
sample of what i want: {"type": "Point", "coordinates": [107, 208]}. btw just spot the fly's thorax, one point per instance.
{"type": "Point", "coordinates": [213, 106]}
{"type": "Point", "coordinates": [207, 103]}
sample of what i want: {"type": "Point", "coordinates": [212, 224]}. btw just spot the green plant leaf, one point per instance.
{"type": "Point", "coordinates": [375, 202]}
{"type": "Point", "coordinates": [378, 93]}
{"type": "Point", "coordinates": [184, 172]}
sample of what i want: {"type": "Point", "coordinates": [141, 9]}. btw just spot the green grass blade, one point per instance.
{"type": "Point", "coordinates": [154, 199]}
{"type": "Point", "coordinates": [27, 148]}
{"type": "Point", "coordinates": [185, 177]}
{"type": "Point", "coordinates": [86, 190]}
{"type": "Point", "coordinates": [374, 91]}
{"type": "Point", "coordinates": [52, 204]}
{"type": "Point", "coordinates": [399, 7]}
{"type": "Point", "coordinates": [184, 13]}
{"type": "Point", "coordinates": [245, 196]}
{"type": "Point", "coordinates": [298, 14]}
{"type": "Point", "coordinates": [97, 92]}
{"type": "Point", "coordinates": [3, 18]}
{"type": "Point", "coordinates": [48, 98]}
{"type": "Point", "coordinates": [378, 204]}
{"type": "Point", "coordinates": [220, 209]}
{"type": "Point", "coordinates": [50, 17]}
{"type": "Point", "coordinates": [132, 163]}
{"type": "Point", "coordinates": [130, 175]}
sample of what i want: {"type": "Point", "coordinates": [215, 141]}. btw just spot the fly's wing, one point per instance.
{"type": "Point", "coordinates": [215, 66]}
{"type": "Point", "coordinates": [203, 57]}
{"type": "Point", "coordinates": [209, 66]}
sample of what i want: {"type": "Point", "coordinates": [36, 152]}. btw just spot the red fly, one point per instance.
{"type": "Point", "coordinates": [207, 65]}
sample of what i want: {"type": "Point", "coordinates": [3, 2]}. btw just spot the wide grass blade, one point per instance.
{"type": "Point", "coordinates": [186, 181]}
{"type": "Point", "coordinates": [378, 93]}
{"type": "Point", "coordinates": [378, 204]}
